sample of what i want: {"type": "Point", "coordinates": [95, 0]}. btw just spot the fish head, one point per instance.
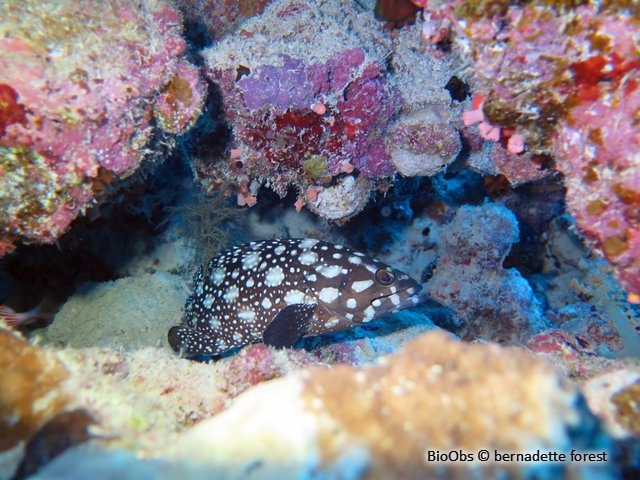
{"type": "Point", "coordinates": [368, 289]}
{"type": "Point", "coordinates": [381, 291]}
{"type": "Point", "coordinates": [394, 291]}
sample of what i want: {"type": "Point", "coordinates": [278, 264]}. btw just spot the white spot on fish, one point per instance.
{"type": "Point", "coordinates": [329, 271]}
{"type": "Point", "coordinates": [376, 302]}
{"type": "Point", "coordinates": [308, 242]}
{"type": "Point", "coordinates": [311, 277]}
{"type": "Point", "coordinates": [217, 276]}
{"type": "Point", "coordinates": [395, 299]}
{"type": "Point", "coordinates": [351, 303]}
{"type": "Point", "coordinates": [274, 276]}
{"type": "Point", "coordinates": [231, 294]}
{"type": "Point", "coordinates": [332, 323]}
{"type": "Point", "coordinates": [337, 256]}
{"type": "Point", "coordinates": [250, 260]}
{"type": "Point", "coordinates": [293, 297]}
{"type": "Point", "coordinates": [266, 303]}
{"type": "Point", "coordinates": [279, 250]}
{"type": "Point", "coordinates": [249, 283]}
{"type": "Point", "coordinates": [361, 285]}
{"type": "Point", "coordinates": [308, 258]}
{"type": "Point", "coordinates": [247, 315]}
{"type": "Point", "coordinates": [328, 294]}
{"type": "Point", "coordinates": [355, 260]}
{"type": "Point", "coordinates": [237, 337]}
{"type": "Point", "coordinates": [208, 301]}
{"type": "Point", "coordinates": [368, 313]}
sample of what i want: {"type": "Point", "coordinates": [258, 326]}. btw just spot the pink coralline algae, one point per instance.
{"type": "Point", "coordinates": [258, 363]}
{"type": "Point", "coordinates": [598, 150]}
{"type": "Point", "coordinates": [489, 302]}
{"type": "Point", "coordinates": [564, 77]}
{"type": "Point", "coordinates": [494, 159]}
{"type": "Point", "coordinates": [302, 119]}
{"type": "Point", "coordinates": [563, 348]}
{"type": "Point", "coordinates": [290, 131]}
{"type": "Point", "coordinates": [80, 87]}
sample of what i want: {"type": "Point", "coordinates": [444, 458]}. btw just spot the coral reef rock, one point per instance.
{"type": "Point", "coordinates": [615, 398]}
{"type": "Point", "coordinates": [80, 86]}
{"type": "Point", "coordinates": [436, 395]}
{"type": "Point", "coordinates": [31, 391]}
{"type": "Point", "coordinates": [219, 17]}
{"type": "Point", "coordinates": [490, 302]}
{"type": "Point", "coordinates": [422, 146]}
{"type": "Point", "coordinates": [307, 98]}
{"type": "Point", "coordinates": [564, 80]}
{"type": "Point", "coordinates": [312, 94]}
{"type": "Point", "coordinates": [598, 150]}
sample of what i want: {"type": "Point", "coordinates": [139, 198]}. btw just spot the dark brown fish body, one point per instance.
{"type": "Point", "coordinates": [277, 291]}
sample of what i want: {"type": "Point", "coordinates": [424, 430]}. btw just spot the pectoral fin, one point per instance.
{"type": "Point", "coordinates": [290, 325]}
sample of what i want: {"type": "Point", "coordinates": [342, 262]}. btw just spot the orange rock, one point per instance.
{"type": "Point", "coordinates": [438, 394]}
{"type": "Point", "coordinates": [387, 420]}
{"type": "Point", "coordinates": [30, 388]}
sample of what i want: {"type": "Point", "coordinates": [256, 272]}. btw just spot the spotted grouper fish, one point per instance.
{"type": "Point", "coordinates": [278, 291]}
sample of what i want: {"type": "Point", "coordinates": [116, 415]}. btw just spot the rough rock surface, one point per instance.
{"type": "Point", "coordinates": [81, 84]}
{"type": "Point", "coordinates": [437, 394]}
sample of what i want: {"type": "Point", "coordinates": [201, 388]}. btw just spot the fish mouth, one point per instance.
{"type": "Point", "coordinates": [411, 301]}
{"type": "Point", "coordinates": [410, 289]}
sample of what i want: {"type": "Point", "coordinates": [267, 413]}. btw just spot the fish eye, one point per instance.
{"type": "Point", "coordinates": [385, 277]}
